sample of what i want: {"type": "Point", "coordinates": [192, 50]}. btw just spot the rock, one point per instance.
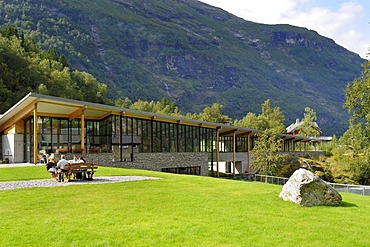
{"type": "Point", "coordinates": [307, 189]}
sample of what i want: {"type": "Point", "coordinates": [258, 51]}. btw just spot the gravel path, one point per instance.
{"type": "Point", "coordinates": [52, 183]}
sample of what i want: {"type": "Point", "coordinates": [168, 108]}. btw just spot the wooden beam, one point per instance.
{"type": "Point", "coordinates": [247, 133]}
{"type": "Point", "coordinates": [228, 132]}
{"type": "Point", "coordinates": [249, 154]}
{"type": "Point", "coordinates": [24, 113]}
{"type": "Point", "coordinates": [76, 113]}
{"type": "Point", "coordinates": [105, 115]}
{"type": "Point", "coordinates": [60, 103]}
{"type": "Point", "coordinates": [83, 133]}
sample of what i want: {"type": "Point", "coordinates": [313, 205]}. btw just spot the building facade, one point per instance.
{"type": "Point", "coordinates": [114, 136]}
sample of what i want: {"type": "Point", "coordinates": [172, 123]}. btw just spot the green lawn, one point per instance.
{"type": "Point", "coordinates": [177, 210]}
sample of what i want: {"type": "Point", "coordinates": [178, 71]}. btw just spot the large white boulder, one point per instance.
{"type": "Point", "coordinates": [307, 189]}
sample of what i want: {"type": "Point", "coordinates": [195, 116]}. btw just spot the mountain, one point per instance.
{"type": "Point", "coordinates": [193, 54]}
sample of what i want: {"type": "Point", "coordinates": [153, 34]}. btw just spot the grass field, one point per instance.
{"type": "Point", "coordinates": [178, 210]}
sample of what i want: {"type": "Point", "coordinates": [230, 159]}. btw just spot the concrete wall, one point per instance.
{"type": "Point", "coordinates": [241, 159]}
{"type": "Point", "coordinates": [152, 161]}
{"type": "Point", "coordinates": [12, 147]}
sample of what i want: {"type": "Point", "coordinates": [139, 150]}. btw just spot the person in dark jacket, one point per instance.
{"type": "Point", "coordinates": [51, 167]}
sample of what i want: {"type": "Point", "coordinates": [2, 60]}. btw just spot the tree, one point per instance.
{"type": "Point", "coordinates": [212, 114]}
{"type": "Point", "coordinates": [309, 126]}
{"type": "Point", "coordinates": [271, 119]}
{"type": "Point", "coordinates": [358, 105]}
{"type": "Point", "coordinates": [358, 97]}
{"type": "Point", "coordinates": [25, 68]}
{"type": "Point", "coordinates": [266, 159]}
{"type": "Point", "coordinates": [357, 137]}
{"type": "Point", "coordinates": [125, 103]}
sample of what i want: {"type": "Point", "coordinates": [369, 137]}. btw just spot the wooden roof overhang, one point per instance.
{"type": "Point", "coordinates": [51, 106]}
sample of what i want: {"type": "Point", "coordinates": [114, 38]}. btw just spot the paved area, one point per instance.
{"type": "Point", "coordinates": [52, 183]}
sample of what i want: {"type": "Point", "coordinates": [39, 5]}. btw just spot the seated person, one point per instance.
{"type": "Point", "coordinates": [61, 167]}
{"type": "Point", "coordinates": [75, 159]}
{"type": "Point", "coordinates": [80, 160]}
{"type": "Point", "coordinates": [51, 167]}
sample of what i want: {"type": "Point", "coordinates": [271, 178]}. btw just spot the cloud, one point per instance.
{"type": "Point", "coordinates": [342, 22]}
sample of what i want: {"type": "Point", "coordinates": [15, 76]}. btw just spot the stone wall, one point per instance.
{"type": "Point", "coordinates": [153, 161]}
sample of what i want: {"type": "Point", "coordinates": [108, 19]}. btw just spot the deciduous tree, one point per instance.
{"type": "Point", "coordinates": [309, 127]}
{"type": "Point", "coordinates": [266, 159]}
{"type": "Point", "coordinates": [271, 119]}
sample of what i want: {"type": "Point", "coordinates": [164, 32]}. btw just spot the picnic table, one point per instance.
{"type": "Point", "coordinates": [78, 171]}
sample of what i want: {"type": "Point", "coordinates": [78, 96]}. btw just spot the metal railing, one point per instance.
{"type": "Point", "coordinates": [350, 188]}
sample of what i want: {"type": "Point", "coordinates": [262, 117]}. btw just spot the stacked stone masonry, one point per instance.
{"type": "Point", "coordinates": [153, 161]}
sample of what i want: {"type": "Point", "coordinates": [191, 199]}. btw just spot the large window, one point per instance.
{"type": "Point", "coordinates": [190, 170]}
{"type": "Point", "coordinates": [123, 136]}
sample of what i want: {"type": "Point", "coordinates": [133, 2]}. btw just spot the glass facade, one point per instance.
{"type": "Point", "coordinates": [123, 136]}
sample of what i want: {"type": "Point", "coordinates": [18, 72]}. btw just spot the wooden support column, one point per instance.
{"type": "Point", "coordinates": [217, 152]}
{"type": "Point", "coordinates": [234, 152]}
{"type": "Point", "coordinates": [83, 132]}
{"type": "Point", "coordinates": [283, 146]}
{"type": "Point", "coordinates": [249, 154]}
{"type": "Point", "coordinates": [120, 137]}
{"type": "Point", "coordinates": [35, 135]}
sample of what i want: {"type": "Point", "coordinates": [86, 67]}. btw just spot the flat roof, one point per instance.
{"type": "Point", "coordinates": [51, 106]}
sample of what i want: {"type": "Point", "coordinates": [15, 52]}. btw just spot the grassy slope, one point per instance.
{"type": "Point", "coordinates": [174, 211]}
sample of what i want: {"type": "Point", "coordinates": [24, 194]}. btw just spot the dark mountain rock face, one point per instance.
{"type": "Point", "coordinates": [194, 54]}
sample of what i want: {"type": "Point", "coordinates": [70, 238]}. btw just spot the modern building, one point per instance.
{"type": "Point", "coordinates": [114, 136]}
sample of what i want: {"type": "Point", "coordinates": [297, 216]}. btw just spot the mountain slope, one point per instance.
{"type": "Point", "coordinates": [194, 54]}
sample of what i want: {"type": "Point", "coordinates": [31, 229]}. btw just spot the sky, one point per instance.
{"type": "Point", "coordinates": [346, 22]}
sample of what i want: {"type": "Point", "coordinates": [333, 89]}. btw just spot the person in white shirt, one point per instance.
{"type": "Point", "coordinates": [75, 159]}
{"type": "Point", "coordinates": [61, 167]}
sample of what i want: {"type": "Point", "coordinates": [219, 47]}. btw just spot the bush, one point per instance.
{"type": "Point", "coordinates": [361, 172]}
{"type": "Point", "coordinates": [5, 161]}
{"type": "Point", "coordinates": [63, 150]}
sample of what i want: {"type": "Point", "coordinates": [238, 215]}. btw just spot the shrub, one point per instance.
{"type": "Point", "coordinates": [63, 150]}
{"type": "Point", "coordinates": [5, 161]}
{"type": "Point", "coordinates": [77, 150]}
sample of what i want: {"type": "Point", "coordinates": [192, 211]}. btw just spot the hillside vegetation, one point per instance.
{"type": "Point", "coordinates": [25, 68]}
{"type": "Point", "coordinates": [194, 55]}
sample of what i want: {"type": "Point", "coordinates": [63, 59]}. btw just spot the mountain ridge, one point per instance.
{"type": "Point", "coordinates": [194, 54]}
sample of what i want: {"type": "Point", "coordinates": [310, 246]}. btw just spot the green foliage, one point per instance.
{"type": "Point", "coordinates": [358, 105]}
{"type": "Point", "coordinates": [211, 114]}
{"type": "Point", "coordinates": [358, 97]}
{"type": "Point", "coordinates": [24, 68]}
{"type": "Point", "coordinates": [271, 119]}
{"type": "Point", "coordinates": [361, 170]}
{"type": "Point", "coordinates": [356, 138]}
{"type": "Point", "coordinates": [266, 159]}
{"type": "Point", "coordinates": [161, 107]}
{"type": "Point", "coordinates": [309, 126]}
{"type": "Point", "coordinates": [289, 165]}
{"type": "Point", "coordinates": [351, 168]}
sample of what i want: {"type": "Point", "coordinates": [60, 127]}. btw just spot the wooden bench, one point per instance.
{"type": "Point", "coordinates": [78, 171]}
